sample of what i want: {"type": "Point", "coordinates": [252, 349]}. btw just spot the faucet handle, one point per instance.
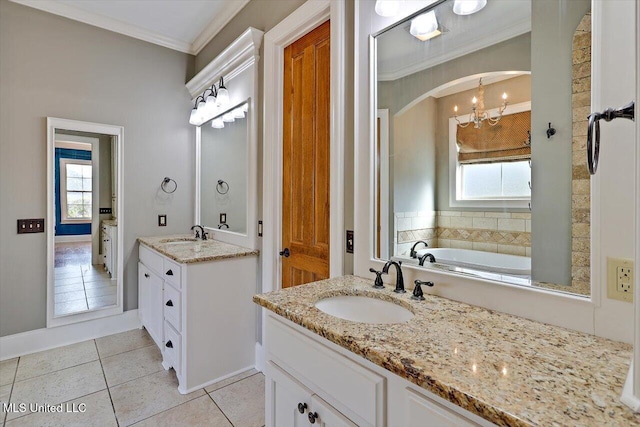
{"type": "Point", "coordinates": [418, 295]}
{"type": "Point", "coordinates": [378, 282]}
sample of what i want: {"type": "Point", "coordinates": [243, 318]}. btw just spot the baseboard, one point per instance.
{"type": "Point", "coordinates": [73, 238]}
{"type": "Point", "coordinates": [259, 357]}
{"type": "Point", "coordinates": [628, 398]}
{"type": "Point", "coordinates": [47, 338]}
{"type": "Point", "coordinates": [208, 383]}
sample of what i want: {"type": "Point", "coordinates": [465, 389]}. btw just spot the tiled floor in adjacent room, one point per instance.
{"type": "Point", "coordinates": [121, 381]}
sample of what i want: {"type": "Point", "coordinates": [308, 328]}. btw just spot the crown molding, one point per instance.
{"type": "Point", "coordinates": [211, 30]}
{"type": "Point", "coordinates": [242, 52]}
{"type": "Point", "coordinates": [217, 24]}
{"type": "Point", "coordinates": [517, 29]}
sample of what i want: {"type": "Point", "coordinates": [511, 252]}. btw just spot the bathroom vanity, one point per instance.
{"type": "Point", "coordinates": [450, 364]}
{"type": "Point", "coordinates": [195, 302]}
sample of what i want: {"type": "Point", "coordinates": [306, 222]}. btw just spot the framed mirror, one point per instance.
{"type": "Point", "coordinates": [84, 224]}
{"type": "Point", "coordinates": [479, 164]}
{"type": "Point", "coordinates": [224, 171]}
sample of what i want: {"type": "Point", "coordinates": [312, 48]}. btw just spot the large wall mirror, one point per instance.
{"type": "Point", "coordinates": [480, 165]}
{"type": "Point", "coordinates": [224, 164]}
{"type": "Point", "coordinates": [84, 229]}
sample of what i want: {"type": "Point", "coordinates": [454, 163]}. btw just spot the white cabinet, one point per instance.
{"type": "Point", "coordinates": [200, 315]}
{"type": "Point", "coordinates": [110, 248]}
{"type": "Point", "coordinates": [291, 404]}
{"type": "Point", "coordinates": [341, 388]}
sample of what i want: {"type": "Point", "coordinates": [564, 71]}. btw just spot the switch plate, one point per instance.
{"type": "Point", "coordinates": [26, 226]}
{"type": "Point", "coordinates": [620, 279]}
{"type": "Point", "coordinates": [349, 242]}
{"type": "Point", "coordinates": [162, 220]}
{"type": "Point", "coordinates": [223, 218]}
{"type": "Point", "coordinates": [259, 228]}
{"type": "Point", "coordinates": [104, 211]}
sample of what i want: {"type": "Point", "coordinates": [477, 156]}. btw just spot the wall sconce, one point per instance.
{"type": "Point", "coordinates": [206, 104]}
{"type": "Point", "coordinates": [229, 116]}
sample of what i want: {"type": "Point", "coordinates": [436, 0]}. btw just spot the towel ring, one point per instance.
{"type": "Point", "coordinates": [593, 131]}
{"type": "Point", "coordinates": [222, 187]}
{"type": "Point", "coordinates": [166, 184]}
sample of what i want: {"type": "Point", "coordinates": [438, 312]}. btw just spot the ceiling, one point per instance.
{"type": "Point", "coordinates": [400, 54]}
{"type": "Point", "coordinates": [183, 25]}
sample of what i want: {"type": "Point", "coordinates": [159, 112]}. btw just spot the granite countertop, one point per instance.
{"type": "Point", "coordinates": [185, 249]}
{"type": "Point", "coordinates": [506, 369]}
{"type": "Point", "coordinates": [111, 222]}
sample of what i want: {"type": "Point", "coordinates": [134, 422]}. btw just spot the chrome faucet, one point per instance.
{"type": "Point", "coordinates": [202, 236]}
{"type": "Point", "coordinates": [413, 252]}
{"type": "Point", "coordinates": [428, 256]}
{"type": "Point", "coordinates": [399, 279]}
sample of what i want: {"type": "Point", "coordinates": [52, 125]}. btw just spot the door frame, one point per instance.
{"type": "Point", "coordinates": [304, 19]}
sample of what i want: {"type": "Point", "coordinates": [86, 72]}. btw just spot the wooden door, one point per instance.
{"type": "Point", "coordinates": [305, 186]}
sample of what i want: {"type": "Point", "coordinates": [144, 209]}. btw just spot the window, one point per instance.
{"type": "Point", "coordinates": [76, 190]}
{"type": "Point", "coordinates": [501, 180]}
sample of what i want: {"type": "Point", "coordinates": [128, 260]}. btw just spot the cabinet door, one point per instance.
{"type": "Point", "coordinates": [325, 415]}
{"type": "Point", "coordinates": [151, 302]}
{"type": "Point", "coordinates": [422, 411]}
{"type": "Point", "coordinates": [284, 397]}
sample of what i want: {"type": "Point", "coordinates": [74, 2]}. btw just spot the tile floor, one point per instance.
{"type": "Point", "coordinates": [80, 286]}
{"type": "Point", "coordinates": [121, 382]}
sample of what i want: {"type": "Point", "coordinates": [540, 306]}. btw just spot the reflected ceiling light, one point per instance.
{"type": "Point", "coordinates": [387, 8]}
{"type": "Point", "coordinates": [223, 94]}
{"type": "Point", "coordinates": [478, 114]}
{"type": "Point", "coordinates": [245, 107]}
{"type": "Point", "coordinates": [425, 26]}
{"type": "Point", "coordinates": [468, 7]}
{"type": "Point", "coordinates": [228, 117]}
{"type": "Point", "coordinates": [238, 113]}
{"type": "Point", "coordinates": [217, 123]}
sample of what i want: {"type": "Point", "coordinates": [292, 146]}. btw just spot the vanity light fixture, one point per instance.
{"type": "Point", "coordinates": [387, 8]}
{"type": "Point", "coordinates": [425, 26]}
{"type": "Point", "coordinates": [468, 7]}
{"type": "Point", "coordinates": [478, 113]}
{"type": "Point", "coordinates": [223, 94]}
{"type": "Point", "coordinates": [210, 100]}
{"type": "Point", "coordinates": [238, 113]}
{"type": "Point", "coordinates": [228, 117]}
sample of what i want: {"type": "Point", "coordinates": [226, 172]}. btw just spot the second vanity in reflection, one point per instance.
{"type": "Point", "coordinates": [195, 302]}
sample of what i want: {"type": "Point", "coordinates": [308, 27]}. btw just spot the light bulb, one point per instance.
{"type": "Point", "coordinates": [468, 7]}
{"type": "Point", "coordinates": [387, 8]}
{"type": "Point", "coordinates": [228, 117]}
{"type": "Point", "coordinates": [504, 96]}
{"type": "Point", "coordinates": [425, 26]}
{"type": "Point", "coordinates": [238, 113]}
{"type": "Point", "coordinates": [455, 109]}
{"type": "Point", "coordinates": [474, 100]}
{"type": "Point", "coordinates": [193, 118]}
{"type": "Point", "coordinates": [217, 123]}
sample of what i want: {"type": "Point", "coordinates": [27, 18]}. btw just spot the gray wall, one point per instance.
{"type": "Point", "coordinates": [553, 26]}
{"type": "Point", "coordinates": [52, 66]}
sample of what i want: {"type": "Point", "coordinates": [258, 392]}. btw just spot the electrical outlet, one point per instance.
{"type": "Point", "coordinates": [620, 279]}
{"type": "Point", "coordinates": [162, 220]}
{"type": "Point", "coordinates": [223, 218]}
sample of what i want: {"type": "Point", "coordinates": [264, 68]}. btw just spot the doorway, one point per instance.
{"type": "Point", "coordinates": [306, 159]}
{"type": "Point", "coordinates": [83, 196]}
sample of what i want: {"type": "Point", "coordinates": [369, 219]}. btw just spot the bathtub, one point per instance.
{"type": "Point", "coordinates": [485, 261]}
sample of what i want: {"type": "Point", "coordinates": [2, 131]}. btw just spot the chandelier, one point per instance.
{"type": "Point", "coordinates": [478, 114]}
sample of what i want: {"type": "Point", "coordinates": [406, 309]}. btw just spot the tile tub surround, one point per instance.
{"type": "Point", "coordinates": [198, 251]}
{"type": "Point", "coordinates": [526, 373]}
{"type": "Point", "coordinates": [121, 381]}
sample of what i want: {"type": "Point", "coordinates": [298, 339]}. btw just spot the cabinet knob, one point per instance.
{"type": "Point", "coordinates": [169, 344]}
{"type": "Point", "coordinates": [146, 275]}
{"type": "Point", "coordinates": [169, 273]}
{"type": "Point", "coordinates": [313, 416]}
{"type": "Point", "coordinates": [302, 407]}
{"type": "Point", "coordinates": [169, 303]}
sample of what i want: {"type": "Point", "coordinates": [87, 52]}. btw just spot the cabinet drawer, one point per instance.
{"type": "Point", "coordinates": [171, 272]}
{"type": "Point", "coordinates": [150, 259]}
{"type": "Point", "coordinates": [172, 347]}
{"type": "Point", "coordinates": [348, 385]}
{"type": "Point", "coordinates": [172, 306]}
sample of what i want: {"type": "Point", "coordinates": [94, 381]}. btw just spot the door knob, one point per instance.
{"type": "Point", "coordinates": [285, 253]}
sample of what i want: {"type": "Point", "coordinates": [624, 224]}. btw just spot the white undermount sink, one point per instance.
{"type": "Point", "coordinates": [172, 242]}
{"type": "Point", "coordinates": [364, 309]}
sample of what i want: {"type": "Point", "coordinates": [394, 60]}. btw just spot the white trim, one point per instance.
{"type": "Point", "coordinates": [300, 22]}
{"type": "Point", "coordinates": [245, 48]}
{"type": "Point", "coordinates": [63, 189]}
{"type": "Point", "coordinates": [219, 21]}
{"type": "Point", "coordinates": [73, 238]}
{"type": "Point", "coordinates": [72, 145]}
{"type": "Point", "coordinates": [117, 131]}
{"type": "Point", "coordinates": [383, 115]}
{"type": "Point", "coordinates": [260, 357]}
{"type": "Point", "coordinates": [455, 169]}
{"type": "Point", "coordinates": [47, 338]}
